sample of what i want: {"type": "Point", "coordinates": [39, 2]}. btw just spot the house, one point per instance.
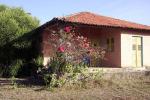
{"type": "Point", "coordinates": [127, 43]}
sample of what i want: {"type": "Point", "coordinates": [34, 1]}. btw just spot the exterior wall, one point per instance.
{"type": "Point", "coordinates": [126, 48]}
{"type": "Point", "coordinates": [46, 48]}
{"type": "Point", "coordinates": [122, 54]}
{"type": "Point", "coordinates": [112, 59]}
{"type": "Point", "coordinates": [46, 45]}
{"type": "Point", "coordinates": [99, 34]}
{"type": "Point", "coordinates": [146, 51]}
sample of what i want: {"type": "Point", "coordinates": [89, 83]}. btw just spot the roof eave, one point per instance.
{"type": "Point", "coordinates": [65, 21]}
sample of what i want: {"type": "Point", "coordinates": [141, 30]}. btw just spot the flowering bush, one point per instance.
{"type": "Point", "coordinates": [72, 52]}
{"type": "Point", "coordinates": [73, 47]}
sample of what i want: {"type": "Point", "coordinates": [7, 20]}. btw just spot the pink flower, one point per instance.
{"type": "Point", "coordinates": [85, 40]}
{"type": "Point", "coordinates": [86, 45]}
{"type": "Point", "coordinates": [67, 29]}
{"type": "Point", "coordinates": [61, 49]}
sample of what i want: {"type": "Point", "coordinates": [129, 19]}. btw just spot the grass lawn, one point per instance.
{"type": "Point", "coordinates": [113, 87]}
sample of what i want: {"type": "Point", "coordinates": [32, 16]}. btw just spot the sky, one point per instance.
{"type": "Point", "coordinates": [131, 10]}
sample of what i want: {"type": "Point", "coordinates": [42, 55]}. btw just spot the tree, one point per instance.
{"type": "Point", "coordinates": [14, 23]}
{"type": "Point", "coordinates": [15, 29]}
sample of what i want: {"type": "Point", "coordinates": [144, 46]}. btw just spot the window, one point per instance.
{"type": "Point", "coordinates": [95, 43]}
{"type": "Point", "coordinates": [110, 44]}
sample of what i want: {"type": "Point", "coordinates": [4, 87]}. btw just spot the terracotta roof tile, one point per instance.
{"type": "Point", "coordinates": [94, 19]}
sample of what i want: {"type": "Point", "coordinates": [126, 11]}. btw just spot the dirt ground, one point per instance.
{"type": "Point", "coordinates": [115, 87]}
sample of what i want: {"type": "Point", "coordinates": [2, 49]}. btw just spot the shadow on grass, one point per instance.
{"type": "Point", "coordinates": [28, 82]}
{"type": "Point", "coordinates": [5, 81]}
{"type": "Point", "coordinates": [147, 73]}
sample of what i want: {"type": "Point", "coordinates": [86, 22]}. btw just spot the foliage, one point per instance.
{"type": "Point", "coordinates": [15, 67]}
{"type": "Point", "coordinates": [15, 36]}
{"type": "Point", "coordinates": [14, 70]}
{"type": "Point", "coordinates": [72, 47]}
{"type": "Point", "coordinates": [39, 61]}
{"type": "Point", "coordinates": [14, 23]}
{"type": "Point", "coordinates": [70, 59]}
{"type": "Point", "coordinates": [1, 71]}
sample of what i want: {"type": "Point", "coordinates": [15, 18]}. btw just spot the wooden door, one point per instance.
{"type": "Point", "coordinates": [137, 51]}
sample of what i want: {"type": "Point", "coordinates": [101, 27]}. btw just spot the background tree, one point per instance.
{"type": "Point", "coordinates": [14, 23]}
{"type": "Point", "coordinates": [16, 26]}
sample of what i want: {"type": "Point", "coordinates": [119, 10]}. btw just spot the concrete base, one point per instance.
{"type": "Point", "coordinates": [116, 70]}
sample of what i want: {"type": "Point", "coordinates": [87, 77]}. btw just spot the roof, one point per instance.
{"type": "Point", "coordinates": [95, 19]}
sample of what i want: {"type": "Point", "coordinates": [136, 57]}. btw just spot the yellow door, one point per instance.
{"type": "Point", "coordinates": [137, 51]}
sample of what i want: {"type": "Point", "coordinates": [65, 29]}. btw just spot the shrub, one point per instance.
{"type": "Point", "coordinates": [70, 59]}
{"type": "Point", "coordinates": [14, 71]}
{"type": "Point", "coordinates": [1, 71]}
{"type": "Point", "coordinates": [15, 67]}
{"type": "Point", "coordinates": [39, 61]}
